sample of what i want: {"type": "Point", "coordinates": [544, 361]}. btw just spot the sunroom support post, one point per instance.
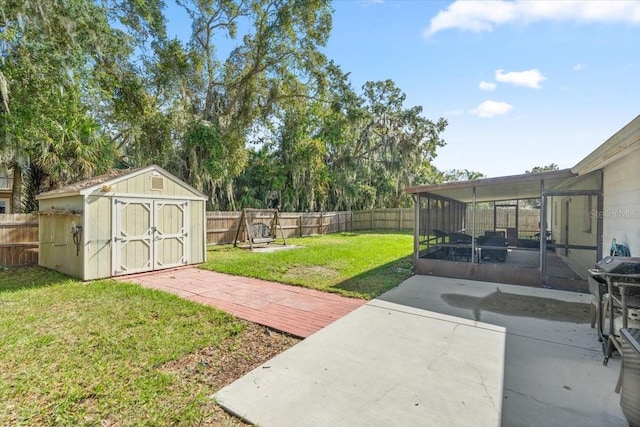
{"type": "Point", "coordinates": [416, 229]}
{"type": "Point", "coordinates": [599, 226]}
{"type": "Point", "coordinates": [473, 225]}
{"type": "Point", "coordinates": [495, 216]}
{"type": "Point", "coordinates": [543, 233]}
{"type": "Point", "coordinates": [517, 218]}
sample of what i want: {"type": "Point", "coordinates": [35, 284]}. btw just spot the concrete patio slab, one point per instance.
{"type": "Point", "coordinates": [384, 364]}
{"type": "Point", "coordinates": [554, 374]}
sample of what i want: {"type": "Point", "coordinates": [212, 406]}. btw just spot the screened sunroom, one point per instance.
{"type": "Point", "coordinates": [536, 229]}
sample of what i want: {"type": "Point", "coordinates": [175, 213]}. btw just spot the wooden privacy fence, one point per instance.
{"type": "Point", "coordinates": [400, 219]}
{"type": "Point", "coordinates": [486, 219]}
{"type": "Point", "coordinates": [19, 232]}
{"type": "Point", "coordinates": [222, 226]}
{"type": "Point", "coordinates": [18, 239]}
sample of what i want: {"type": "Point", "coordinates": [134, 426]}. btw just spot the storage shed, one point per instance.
{"type": "Point", "coordinates": [124, 222]}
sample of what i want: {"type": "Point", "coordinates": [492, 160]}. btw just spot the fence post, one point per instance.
{"type": "Point", "coordinates": [400, 219]}
{"type": "Point", "coordinates": [300, 219]}
{"type": "Point", "coordinates": [321, 222]}
{"type": "Point", "coordinates": [372, 224]}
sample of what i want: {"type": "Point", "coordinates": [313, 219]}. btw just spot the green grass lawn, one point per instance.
{"type": "Point", "coordinates": [113, 353]}
{"type": "Point", "coordinates": [78, 353]}
{"type": "Point", "coordinates": [362, 265]}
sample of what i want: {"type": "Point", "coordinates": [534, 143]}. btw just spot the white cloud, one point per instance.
{"type": "Point", "coordinates": [578, 67]}
{"type": "Point", "coordinates": [529, 78]}
{"type": "Point", "coordinates": [483, 15]}
{"type": "Point", "coordinates": [491, 108]}
{"type": "Point", "coordinates": [488, 86]}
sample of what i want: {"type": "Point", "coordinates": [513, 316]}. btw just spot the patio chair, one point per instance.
{"type": "Point", "coordinates": [492, 244]}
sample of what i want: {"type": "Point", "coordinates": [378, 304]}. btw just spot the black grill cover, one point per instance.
{"type": "Point", "coordinates": [619, 265]}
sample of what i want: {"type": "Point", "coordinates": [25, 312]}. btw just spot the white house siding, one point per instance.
{"type": "Point", "coordinates": [622, 203]}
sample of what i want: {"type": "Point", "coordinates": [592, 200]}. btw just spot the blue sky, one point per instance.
{"type": "Point", "coordinates": [522, 83]}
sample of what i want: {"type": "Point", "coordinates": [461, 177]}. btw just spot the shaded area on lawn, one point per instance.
{"type": "Point", "coordinates": [377, 281]}
{"type": "Point", "coordinates": [20, 278]}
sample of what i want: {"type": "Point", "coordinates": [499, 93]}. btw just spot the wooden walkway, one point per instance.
{"type": "Point", "coordinates": [291, 309]}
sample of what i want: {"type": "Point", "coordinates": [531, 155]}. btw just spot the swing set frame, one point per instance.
{"type": "Point", "coordinates": [258, 233]}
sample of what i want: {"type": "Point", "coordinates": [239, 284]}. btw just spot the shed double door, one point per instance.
{"type": "Point", "coordinates": [149, 234]}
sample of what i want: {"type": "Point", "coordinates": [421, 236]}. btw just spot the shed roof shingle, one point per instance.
{"type": "Point", "coordinates": [77, 187]}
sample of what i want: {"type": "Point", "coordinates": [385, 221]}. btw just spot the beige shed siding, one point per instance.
{"type": "Point", "coordinates": [57, 249]}
{"type": "Point", "coordinates": [141, 185]}
{"type": "Point", "coordinates": [74, 203]}
{"type": "Point", "coordinates": [622, 203]}
{"type": "Point", "coordinates": [97, 237]}
{"type": "Point", "coordinates": [173, 188]}
{"type": "Point", "coordinates": [198, 232]}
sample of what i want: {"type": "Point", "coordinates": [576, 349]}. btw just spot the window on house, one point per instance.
{"type": "Point", "coordinates": [5, 178]}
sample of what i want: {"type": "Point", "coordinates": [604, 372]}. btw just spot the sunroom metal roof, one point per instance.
{"type": "Point", "coordinates": [525, 186]}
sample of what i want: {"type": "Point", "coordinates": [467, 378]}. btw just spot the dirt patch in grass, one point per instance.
{"type": "Point", "coordinates": [311, 271]}
{"type": "Point", "coordinates": [212, 368]}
